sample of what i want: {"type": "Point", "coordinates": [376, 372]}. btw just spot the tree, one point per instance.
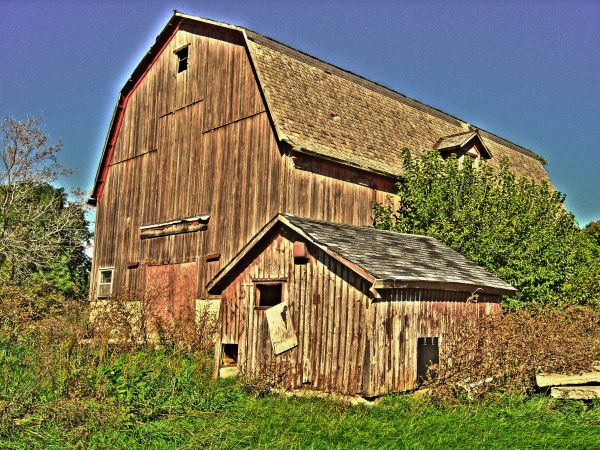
{"type": "Point", "coordinates": [593, 230]}
{"type": "Point", "coordinates": [516, 228]}
{"type": "Point", "coordinates": [42, 233]}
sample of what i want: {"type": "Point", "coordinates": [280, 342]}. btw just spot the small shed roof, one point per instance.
{"type": "Point", "coordinates": [385, 258]}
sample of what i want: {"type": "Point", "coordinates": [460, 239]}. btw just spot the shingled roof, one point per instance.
{"type": "Point", "coordinates": [385, 258]}
{"type": "Point", "coordinates": [323, 110]}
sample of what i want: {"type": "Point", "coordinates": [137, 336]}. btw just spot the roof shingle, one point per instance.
{"type": "Point", "coordinates": [321, 109]}
{"type": "Point", "coordinates": [388, 255]}
{"type": "Point", "coordinates": [385, 258]}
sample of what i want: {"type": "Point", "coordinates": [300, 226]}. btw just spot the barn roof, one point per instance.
{"type": "Point", "coordinates": [385, 258]}
{"type": "Point", "coordinates": [323, 110]}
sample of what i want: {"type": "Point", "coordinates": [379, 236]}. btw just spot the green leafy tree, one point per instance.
{"type": "Point", "coordinates": [593, 230]}
{"type": "Point", "coordinates": [516, 228]}
{"type": "Point", "coordinates": [42, 232]}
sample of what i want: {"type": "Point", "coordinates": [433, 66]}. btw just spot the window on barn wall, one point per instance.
{"type": "Point", "coordinates": [182, 58]}
{"type": "Point", "coordinates": [268, 294]}
{"type": "Point", "coordinates": [105, 282]}
{"type": "Point", "coordinates": [428, 353]}
{"type": "Point", "coordinates": [229, 355]}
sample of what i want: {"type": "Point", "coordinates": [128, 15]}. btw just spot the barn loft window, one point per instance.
{"type": "Point", "coordinates": [105, 283]}
{"type": "Point", "coordinates": [468, 144]}
{"type": "Point", "coordinates": [182, 58]}
{"type": "Point", "coordinates": [428, 353]}
{"type": "Point", "coordinates": [268, 294]}
{"type": "Point", "coordinates": [229, 355]}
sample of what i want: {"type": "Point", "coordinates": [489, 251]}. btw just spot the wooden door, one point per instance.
{"type": "Point", "coordinates": [172, 290]}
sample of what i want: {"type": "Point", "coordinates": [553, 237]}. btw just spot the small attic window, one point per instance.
{"type": "Point", "coordinates": [268, 294]}
{"type": "Point", "coordinates": [182, 58]}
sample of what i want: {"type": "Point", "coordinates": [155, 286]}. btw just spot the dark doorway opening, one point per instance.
{"type": "Point", "coordinates": [230, 355]}
{"type": "Point", "coordinates": [428, 353]}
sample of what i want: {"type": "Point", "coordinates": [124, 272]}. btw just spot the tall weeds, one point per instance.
{"type": "Point", "coordinates": [504, 352]}
{"type": "Point", "coordinates": [117, 353]}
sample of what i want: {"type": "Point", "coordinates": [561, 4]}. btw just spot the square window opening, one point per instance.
{"type": "Point", "coordinates": [105, 283]}
{"type": "Point", "coordinates": [428, 354]}
{"type": "Point", "coordinates": [182, 59]}
{"type": "Point", "coordinates": [269, 294]}
{"type": "Point", "coordinates": [230, 355]}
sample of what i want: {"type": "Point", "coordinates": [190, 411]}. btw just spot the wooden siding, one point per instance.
{"type": "Point", "coordinates": [201, 142]}
{"type": "Point", "coordinates": [402, 316]}
{"type": "Point", "coordinates": [327, 305]}
{"type": "Point", "coordinates": [347, 342]}
{"type": "Point", "coordinates": [174, 289]}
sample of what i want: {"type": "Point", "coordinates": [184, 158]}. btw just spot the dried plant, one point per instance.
{"type": "Point", "coordinates": [271, 376]}
{"type": "Point", "coordinates": [145, 318]}
{"type": "Point", "coordinates": [504, 352]}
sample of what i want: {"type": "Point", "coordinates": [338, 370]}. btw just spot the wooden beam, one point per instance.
{"type": "Point", "coordinates": [557, 379]}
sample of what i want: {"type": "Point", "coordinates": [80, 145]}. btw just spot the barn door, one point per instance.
{"type": "Point", "coordinates": [172, 290]}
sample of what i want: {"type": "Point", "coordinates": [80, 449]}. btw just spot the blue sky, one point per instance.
{"type": "Point", "coordinates": [528, 71]}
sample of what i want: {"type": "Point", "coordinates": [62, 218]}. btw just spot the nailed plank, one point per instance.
{"type": "Point", "coordinates": [576, 392]}
{"type": "Point", "coordinates": [555, 379]}
{"type": "Point", "coordinates": [281, 329]}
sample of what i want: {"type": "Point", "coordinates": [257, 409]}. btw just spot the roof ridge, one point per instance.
{"type": "Point", "coordinates": [459, 134]}
{"type": "Point", "coordinates": [328, 222]}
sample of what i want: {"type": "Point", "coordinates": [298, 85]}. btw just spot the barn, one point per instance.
{"type": "Point", "coordinates": [219, 128]}
{"type": "Point", "coordinates": [342, 308]}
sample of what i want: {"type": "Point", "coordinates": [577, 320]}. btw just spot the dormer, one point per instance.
{"type": "Point", "coordinates": [468, 144]}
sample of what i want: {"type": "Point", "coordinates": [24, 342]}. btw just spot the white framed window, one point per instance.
{"type": "Point", "coordinates": [105, 282]}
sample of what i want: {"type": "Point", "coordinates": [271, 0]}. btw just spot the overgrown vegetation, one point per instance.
{"type": "Point", "coordinates": [516, 228]}
{"type": "Point", "coordinates": [502, 353]}
{"type": "Point", "coordinates": [57, 394]}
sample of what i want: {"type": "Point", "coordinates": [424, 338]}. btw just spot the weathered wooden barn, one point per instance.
{"type": "Point", "coordinates": [219, 129]}
{"type": "Point", "coordinates": [344, 308]}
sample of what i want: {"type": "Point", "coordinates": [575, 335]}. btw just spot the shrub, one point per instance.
{"type": "Point", "coordinates": [516, 228]}
{"type": "Point", "coordinates": [141, 319]}
{"type": "Point", "coordinates": [504, 352]}
{"type": "Point", "coordinates": [271, 376]}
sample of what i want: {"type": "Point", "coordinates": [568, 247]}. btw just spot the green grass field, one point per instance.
{"type": "Point", "coordinates": [278, 422]}
{"type": "Point", "coordinates": [157, 399]}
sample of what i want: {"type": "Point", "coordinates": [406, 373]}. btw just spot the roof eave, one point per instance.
{"type": "Point", "coordinates": [342, 162]}
{"type": "Point", "coordinates": [442, 285]}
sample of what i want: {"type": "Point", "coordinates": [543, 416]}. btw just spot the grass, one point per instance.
{"type": "Point", "coordinates": [207, 414]}
{"type": "Point", "coordinates": [58, 398]}
{"type": "Point", "coordinates": [283, 422]}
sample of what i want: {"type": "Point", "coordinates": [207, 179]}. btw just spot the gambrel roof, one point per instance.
{"type": "Point", "coordinates": [385, 258]}
{"type": "Point", "coordinates": [322, 110]}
